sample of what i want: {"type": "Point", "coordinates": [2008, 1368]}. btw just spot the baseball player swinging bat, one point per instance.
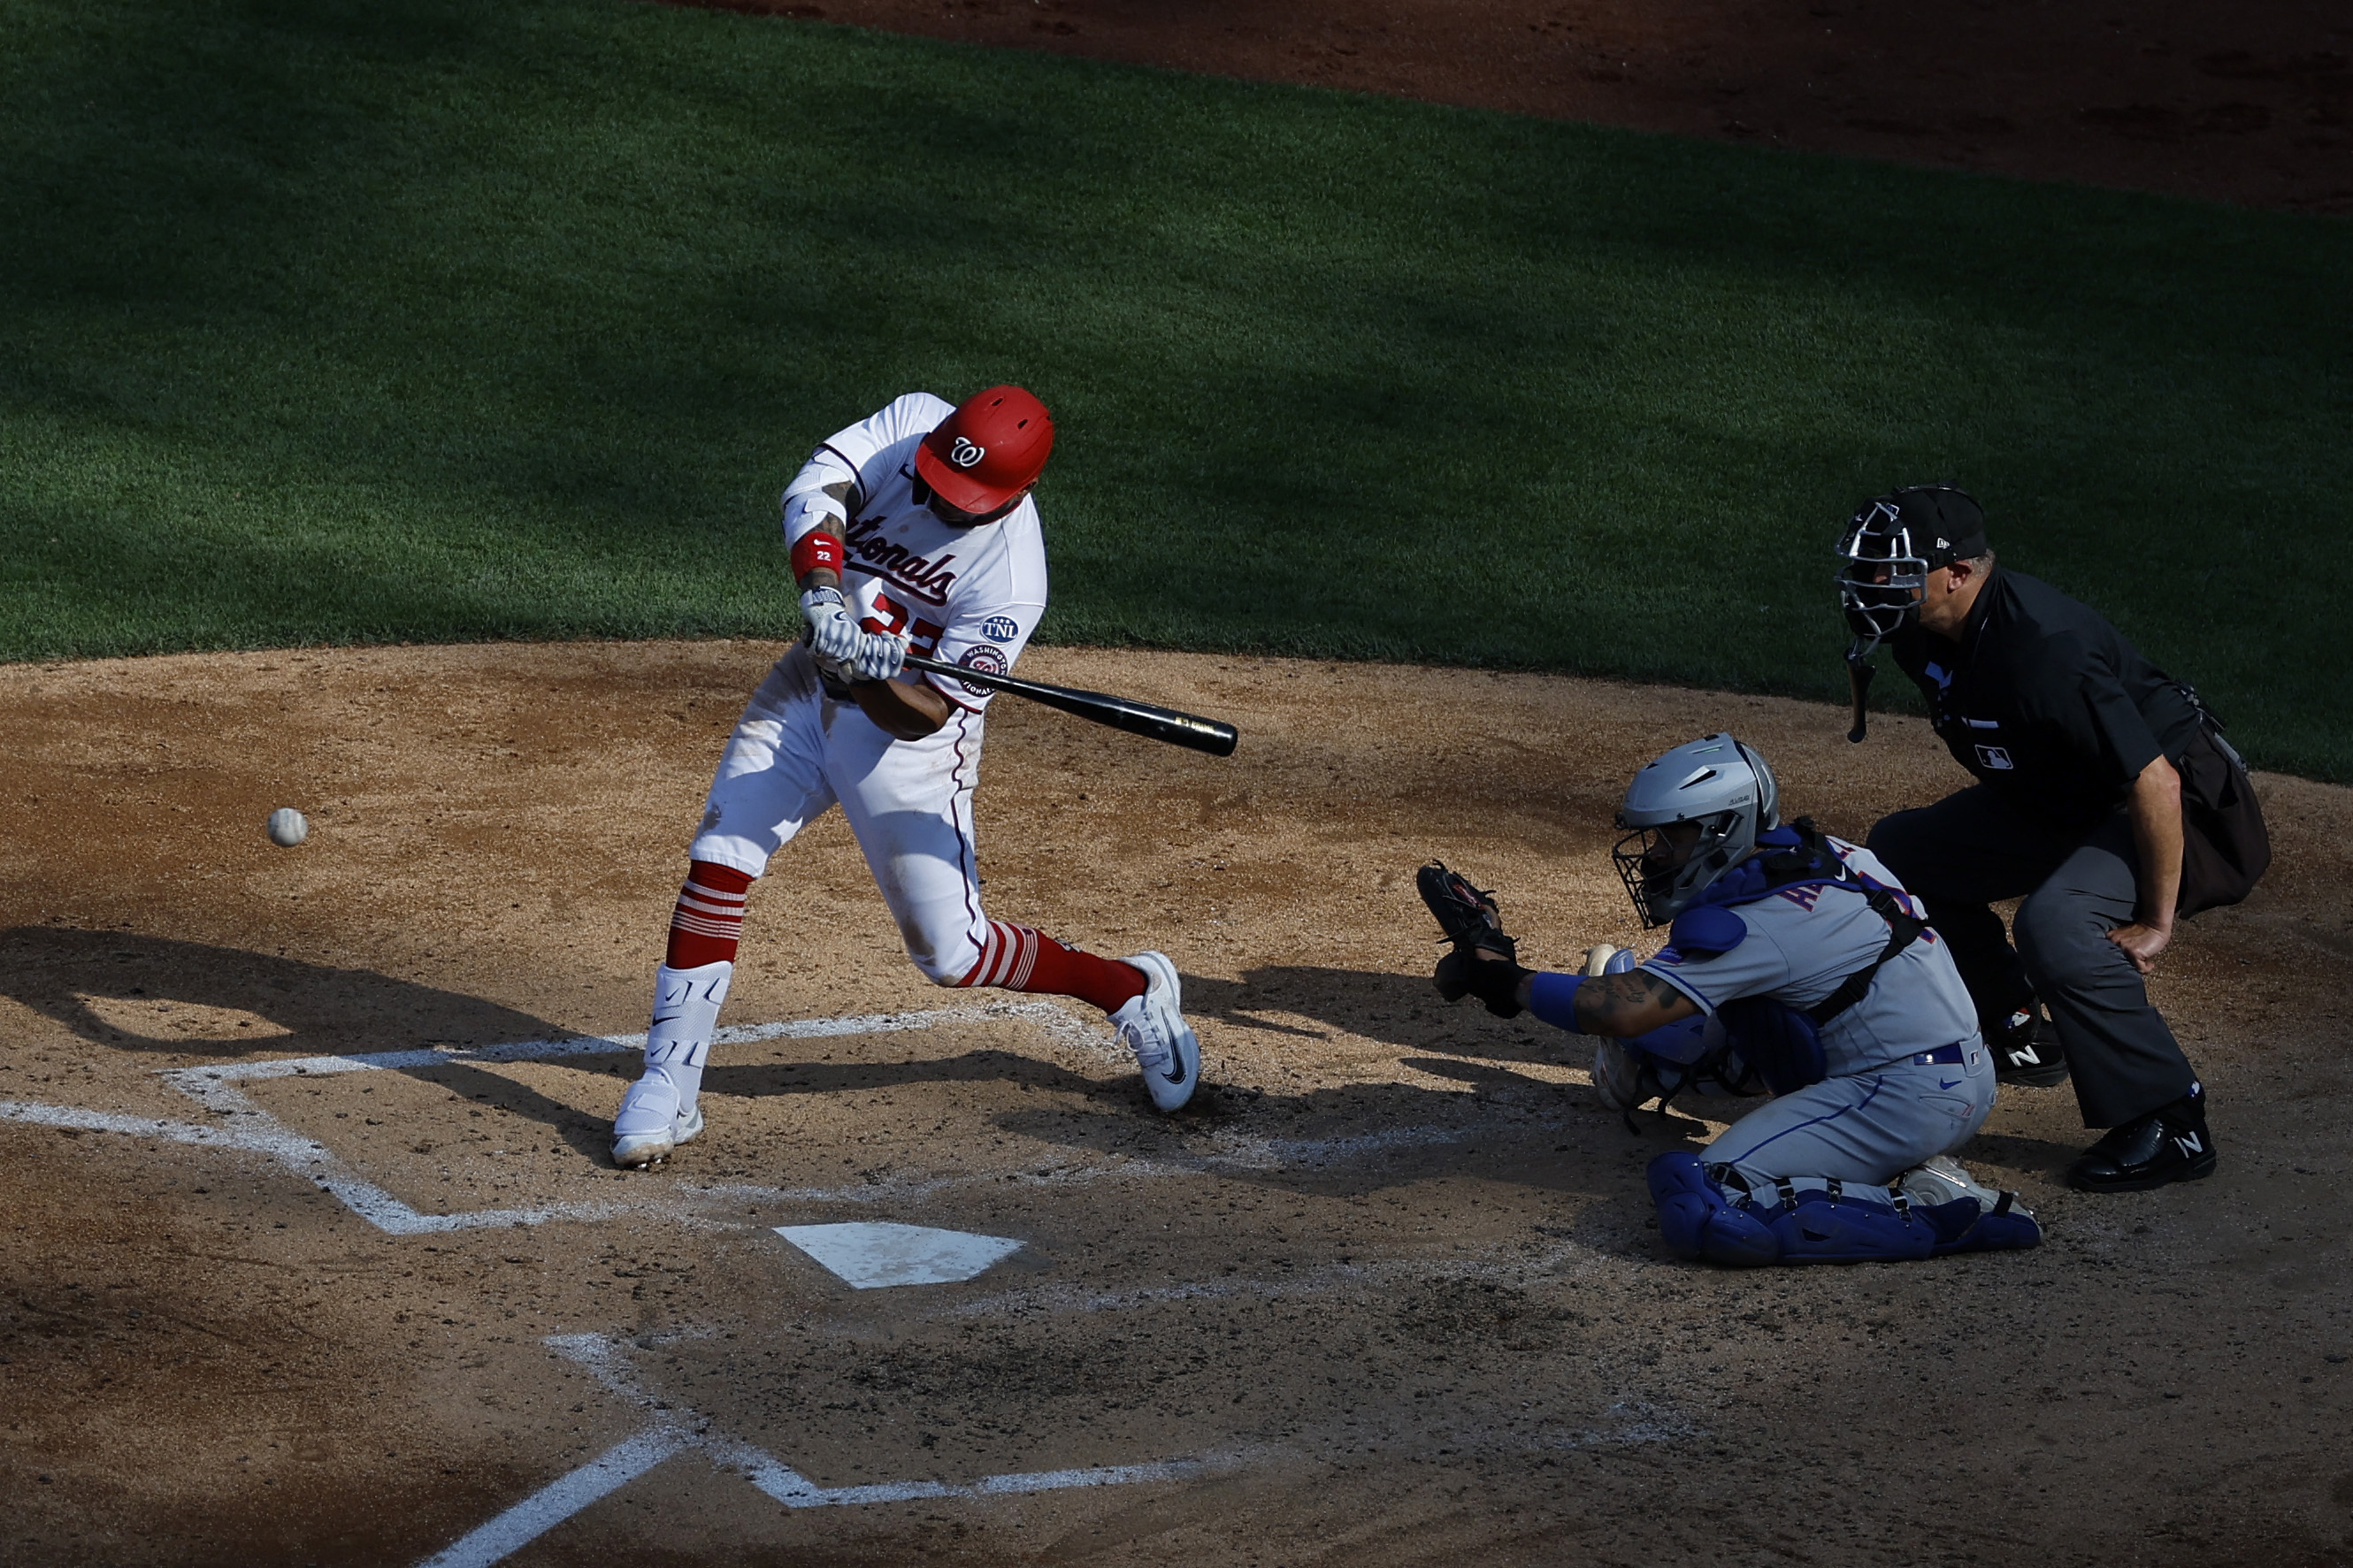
{"type": "Point", "coordinates": [1189, 729]}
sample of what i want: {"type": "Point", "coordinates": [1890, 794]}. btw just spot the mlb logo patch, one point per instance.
{"type": "Point", "coordinates": [1000, 628]}
{"type": "Point", "coordinates": [1996, 757]}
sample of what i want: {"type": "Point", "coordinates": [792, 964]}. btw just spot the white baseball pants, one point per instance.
{"type": "Point", "coordinates": [795, 754]}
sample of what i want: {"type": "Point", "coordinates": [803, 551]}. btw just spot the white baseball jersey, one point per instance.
{"type": "Point", "coordinates": [1802, 942]}
{"type": "Point", "coordinates": [966, 595]}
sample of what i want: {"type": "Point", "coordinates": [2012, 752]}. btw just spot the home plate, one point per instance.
{"type": "Point", "coordinates": [870, 1255]}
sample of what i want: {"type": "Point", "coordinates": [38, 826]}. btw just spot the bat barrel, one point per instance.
{"type": "Point", "coordinates": [1214, 736]}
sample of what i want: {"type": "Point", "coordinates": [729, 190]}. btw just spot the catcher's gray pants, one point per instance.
{"type": "Point", "coordinates": [1970, 849]}
{"type": "Point", "coordinates": [1867, 1128]}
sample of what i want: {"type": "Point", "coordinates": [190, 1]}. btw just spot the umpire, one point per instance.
{"type": "Point", "coordinates": [2087, 756]}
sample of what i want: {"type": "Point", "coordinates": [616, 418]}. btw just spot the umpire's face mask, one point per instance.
{"type": "Point", "coordinates": [1883, 576]}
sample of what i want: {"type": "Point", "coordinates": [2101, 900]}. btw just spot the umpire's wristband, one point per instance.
{"type": "Point", "coordinates": [1552, 998]}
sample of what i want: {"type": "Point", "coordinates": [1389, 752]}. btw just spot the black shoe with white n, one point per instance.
{"type": "Point", "coordinates": [2026, 1051]}
{"type": "Point", "coordinates": [2169, 1145]}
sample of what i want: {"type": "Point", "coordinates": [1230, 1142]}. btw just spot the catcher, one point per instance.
{"type": "Point", "coordinates": [1795, 967]}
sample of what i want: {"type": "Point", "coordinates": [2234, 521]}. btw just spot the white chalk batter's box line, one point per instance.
{"type": "Point", "coordinates": [677, 1429]}
{"type": "Point", "coordinates": [247, 1127]}
{"type": "Point", "coordinates": [215, 1089]}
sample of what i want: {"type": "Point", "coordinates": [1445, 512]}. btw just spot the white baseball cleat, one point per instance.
{"type": "Point", "coordinates": [1944, 1178]}
{"type": "Point", "coordinates": [1152, 1025]}
{"type": "Point", "coordinates": [650, 1124]}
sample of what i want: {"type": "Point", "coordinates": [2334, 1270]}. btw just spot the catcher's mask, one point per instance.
{"type": "Point", "coordinates": [1889, 548]}
{"type": "Point", "coordinates": [1694, 814]}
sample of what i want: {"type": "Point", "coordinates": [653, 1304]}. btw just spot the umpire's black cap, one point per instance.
{"type": "Point", "coordinates": [1946, 522]}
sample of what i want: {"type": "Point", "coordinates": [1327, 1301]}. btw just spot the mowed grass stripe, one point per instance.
{"type": "Point", "coordinates": [334, 323]}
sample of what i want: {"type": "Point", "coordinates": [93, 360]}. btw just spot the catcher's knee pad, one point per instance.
{"type": "Point", "coordinates": [1698, 1222]}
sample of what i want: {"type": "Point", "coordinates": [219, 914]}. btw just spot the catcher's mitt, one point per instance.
{"type": "Point", "coordinates": [1468, 916]}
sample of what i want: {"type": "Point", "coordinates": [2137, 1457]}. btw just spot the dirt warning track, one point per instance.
{"type": "Point", "coordinates": [314, 1257]}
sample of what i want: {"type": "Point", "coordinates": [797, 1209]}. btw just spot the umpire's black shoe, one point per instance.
{"type": "Point", "coordinates": [2026, 1051]}
{"type": "Point", "coordinates": [2169, 1145]}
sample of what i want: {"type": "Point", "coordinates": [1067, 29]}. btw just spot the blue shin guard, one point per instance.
{"type": "Point", "coordinates": [1825, 1228]}
{"type": "Point", "coordinates": [1964, 1225]}
{"type": "Point", "coordinates": [1697, 1222]}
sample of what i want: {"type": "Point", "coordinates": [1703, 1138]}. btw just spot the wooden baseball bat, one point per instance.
{"type": "Point", "coordinates": [1189, 729]}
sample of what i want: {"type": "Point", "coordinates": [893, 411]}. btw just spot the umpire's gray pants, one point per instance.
{"type": "Point", "coordinates": [1969, 850]}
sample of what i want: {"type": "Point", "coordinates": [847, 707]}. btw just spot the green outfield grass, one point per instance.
{"type": "Point", "coordinates": [336, 323]}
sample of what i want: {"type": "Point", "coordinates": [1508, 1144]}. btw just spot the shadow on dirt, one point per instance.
{"type": "Point", "coordinates": [145, 994]}
{"type": "Point", "coordinates": [151, 994]}
{"type": "Point", "coordinates": [1401, 1010]}
{"type": "Point", "coordinates": [2039, 1156]}
{"type": "Point", "coordinates": [867, 1078]}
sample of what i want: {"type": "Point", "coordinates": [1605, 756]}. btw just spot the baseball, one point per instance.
{"type": "Point", "coordinates": [287, 828]}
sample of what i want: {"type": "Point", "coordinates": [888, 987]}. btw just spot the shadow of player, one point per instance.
{"type": "Point", "coordinates": [119, 991]}
{"type": "Point", "coordinates": [1312, 1002]}
{"type": "Point", "coordinates": [760, 1081]}
{"type": "Point", "coordinates": [124, 993]}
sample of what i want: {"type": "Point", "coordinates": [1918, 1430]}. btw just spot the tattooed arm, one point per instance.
{"type": "Point", "coordinates": [1624, 1004]}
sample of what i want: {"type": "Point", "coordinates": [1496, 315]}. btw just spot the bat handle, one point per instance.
{"type": "Point", "coordinates": [1859, 674]}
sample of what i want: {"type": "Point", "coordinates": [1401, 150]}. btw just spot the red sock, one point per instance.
{"type": "Point", "coordinates": [710, 916]}
{"type": "Point", "coordinates": [1023, 958]}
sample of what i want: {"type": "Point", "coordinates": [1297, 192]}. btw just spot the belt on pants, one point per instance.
{"type": "Point", "coordinates": [1952, 1056]}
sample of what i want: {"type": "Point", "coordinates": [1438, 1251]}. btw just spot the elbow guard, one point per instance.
{"type": "Point", "coordinates": [808, 510]}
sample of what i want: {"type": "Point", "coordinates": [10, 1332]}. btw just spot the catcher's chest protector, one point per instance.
{"type": "Point", "coordinates": [1782, 1043]}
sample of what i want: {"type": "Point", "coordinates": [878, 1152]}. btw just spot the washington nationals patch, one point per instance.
{"type": "Point", "coordinates": [988, 661]}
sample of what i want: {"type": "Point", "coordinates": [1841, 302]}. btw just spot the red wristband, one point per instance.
{"type": "Point", "coordinates": [816, 548]}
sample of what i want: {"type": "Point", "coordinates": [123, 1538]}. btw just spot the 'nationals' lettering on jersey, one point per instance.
{"type": "Point", "coordinates": [902, 567]}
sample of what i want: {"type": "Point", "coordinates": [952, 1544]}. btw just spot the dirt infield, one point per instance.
{"type": "Point", "coordinates": [2250, 103]}
{"type": "Point", "coordinates": [1386, 1294]}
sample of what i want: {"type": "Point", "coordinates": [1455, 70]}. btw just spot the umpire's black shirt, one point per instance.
{"type": "Point", "coordinates": [2045, 702]}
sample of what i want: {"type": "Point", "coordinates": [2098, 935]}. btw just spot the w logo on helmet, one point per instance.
{"type": "Point", "coordinates": [984, 457]}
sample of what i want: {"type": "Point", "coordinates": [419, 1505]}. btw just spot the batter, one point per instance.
{"type": "Point", "coordinates": [910, 530]}
{"type": "Point", "coordinates": [1795, 964]}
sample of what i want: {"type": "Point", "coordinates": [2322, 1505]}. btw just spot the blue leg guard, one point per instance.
{"type": "Point", "coordinates": [1962, 1225]}
{"type": "Point", "coordinates": [1697, 1222]}
{"type": "Point", "coordinates": [1822, 1228]}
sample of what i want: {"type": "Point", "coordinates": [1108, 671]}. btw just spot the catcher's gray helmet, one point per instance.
{"type": "Point", "coordinates": [1715, 783]}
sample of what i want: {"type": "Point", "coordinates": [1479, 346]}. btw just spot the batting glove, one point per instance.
{"type": "Point", "coordinates": [879, 657]}
{"type": "Point", "coordinates": [833, 636]}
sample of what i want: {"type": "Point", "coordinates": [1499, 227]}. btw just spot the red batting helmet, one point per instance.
{"type": "Point", "coordinates": [988, 451]}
